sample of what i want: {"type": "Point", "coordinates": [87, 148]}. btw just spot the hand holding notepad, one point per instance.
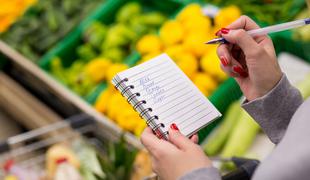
{"type": "Point", "coordinates": [162, 94]}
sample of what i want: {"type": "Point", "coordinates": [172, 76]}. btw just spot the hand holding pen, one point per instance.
{"type": "Point", "coordinates": [250, 60]}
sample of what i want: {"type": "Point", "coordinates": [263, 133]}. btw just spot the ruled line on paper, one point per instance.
{"type": "Point", "coordinates": [177, 103]}
{"type": "Point", "coordinates": [142, 86]}
{"type": "Point", "coordinates": [191, 124]}
{"type": "Point", "coordinates": [170, 69]}
{"type": "Point", "coordinates": [151, 67]}
{"type": "Point", "coordinates": [167, 103]}
{"type": "Point", "coordinates": [192, 117]}
{"type": "Point", "coordinates": [181, 108]}
{"type": "Point", "coordinates": [186, 112]}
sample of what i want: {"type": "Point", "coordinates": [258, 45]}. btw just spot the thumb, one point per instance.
{"type": "Point", "coordinates": [178, 139]}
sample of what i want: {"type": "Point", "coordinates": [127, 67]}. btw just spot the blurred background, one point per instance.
{"type": "Point", "coordinates": [62, 119]}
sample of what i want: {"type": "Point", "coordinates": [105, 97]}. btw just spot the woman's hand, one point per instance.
{"type": "Point", "coordinates": [173, 159]}
{"type": "Point", "coordinates": [252, 61]}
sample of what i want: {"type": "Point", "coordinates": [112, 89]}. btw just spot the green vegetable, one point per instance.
{"type": "Point", "coordinates": [241, 138]}
{"type": "Point", "coordinates": [86, 52]}
{"type": "Point", "coordinates": [128, 11]}
{"type": "Point", "coordinates": [95, 34]}
{"type": "Point", "coordinates": [267, 11]}
{"type": "Point", "coordinates": [304, 87]}
{"type": "Point", "coordinates": [219, 136]}
{"type": "Point", "coordinates": [45, 23]}
{"type": "Point", "coordinates": [90, 165]}
{"type": "Point", "coordinates": [118, 162]}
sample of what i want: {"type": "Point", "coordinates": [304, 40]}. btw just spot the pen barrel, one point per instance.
{"type": "Point", "coordinates": [278, 27]}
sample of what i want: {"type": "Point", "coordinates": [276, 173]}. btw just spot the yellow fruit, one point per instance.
{"type": "Point", "coordinates": [205, 83]}
{"type": "Point", "coordinates": [197, 24]}
{"type": "Point", "coordinates": [114, 69]}
{"type": "Point", "coordinates": [97, 69]}
{"type": "Point", "coordinates": [188, 63]}
{"type": "Point", "coordinates": [148, 57]}
{"type": "Point", "coordinates": [194, 43]}
{"type": "Point", "coordinates": [189, 11]}
{"type": "Point", "coordinates": [227, 15]}
{"type": "Point", "coordinates": [210, 63]}
{"type": "Point", "coordinates": [59, 151]}
{"type": "Point", "coordinates": [139, 128]}
{"type": "Point", "coordinates": [101, 104]}
{"type": "Point", "coordinates": [171, 32]}
{"type": "Point", "coordinates": [175, 50]}
{"type": "Point", "coordinates": [115, 103]}
{"type": "Point", "coordinates": [149, 44]}
{"type": "Point", "coordinates": [128, 119]}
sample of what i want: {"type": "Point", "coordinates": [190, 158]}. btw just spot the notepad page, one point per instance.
{"type": "Point", "coordinates": [171, 95]}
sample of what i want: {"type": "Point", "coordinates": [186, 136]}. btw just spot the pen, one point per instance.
{"type": "Point", "coordinates": [267, 30]}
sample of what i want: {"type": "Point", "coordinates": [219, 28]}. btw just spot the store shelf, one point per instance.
{"type": "Point", "coordinates": [56, 95]}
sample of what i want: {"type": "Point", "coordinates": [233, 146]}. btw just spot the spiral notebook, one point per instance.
{"type": "Point", "coordinates": [162, 94]}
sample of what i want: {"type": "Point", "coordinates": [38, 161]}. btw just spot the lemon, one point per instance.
{"type": "Point", "coordinates": [128, 119]}
{"type": "Point", "coordinates": [210, 63]}
{"type": "Point", "coordinates": [139, 128]}
{"type": "Point", "coordinates": [97, 68]}
{"type": "Point", "coordinates": [101, 104]}
{"type": "Point", "coordinates": [194, 43]}
{"type": "Point", "coordinates": [171, 32]}
{"type": "Point", "coordinates": [148, 57]}
{"type": "Point", "coordinates": [197, 24]}
{"type": "Point", "coordinates": [188, 63]}
{"type": "Point", "coordinates": [189, 11]}
{"type": "Point", "coordinates": [227, 15]}
{"type": "Point", "coordinates": [174, 50]}
{"type": "Point", "coordinates": [114, 69]}
{"type": "Point", "coordinates": [149, 44]}
{"type": "Point", "coordinates": [205, 83]}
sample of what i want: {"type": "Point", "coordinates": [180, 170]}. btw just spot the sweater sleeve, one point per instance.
{"type": "Point", "coordinates": [202, 174]}
{"type": "Point", "coordinates": [274, 110]}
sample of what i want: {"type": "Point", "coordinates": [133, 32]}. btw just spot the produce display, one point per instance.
{"type": "Point", "coordinates": [183, 40]}
{"type": "Point", "coordinates": [105, 47]}
{"type": "Point", "coordinates": [44, 24]}
{"type": "Point", "coordinates": [267, 11]}
{"type": "Point", "coordinates": [80, 161]}
{"type": "Point", "coordinates": [10, 11]}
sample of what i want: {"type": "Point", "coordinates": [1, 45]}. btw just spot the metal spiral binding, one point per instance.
{"type": "Point", "coordinates": [138, 106]}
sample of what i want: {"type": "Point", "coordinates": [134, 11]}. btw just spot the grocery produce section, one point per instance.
{"type": "Point", "coordinates": [80, 48]}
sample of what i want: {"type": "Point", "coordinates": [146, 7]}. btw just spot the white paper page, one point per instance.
{"type": "Point", "coordinates": [170, 94]}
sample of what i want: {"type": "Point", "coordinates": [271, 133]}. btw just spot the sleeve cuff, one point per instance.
{"type": "Point", "coordinates": [210, 173]}
{"type": "Point", "coordinates": [274, 110]}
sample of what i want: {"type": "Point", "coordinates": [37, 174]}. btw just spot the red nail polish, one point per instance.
{"type": "Point", "coordinates": [225, 30]}
{"type": "Point", "coordinates": [174, 127]}
{"type": "Point", "coordinates": [224, 61]}
{"type": "Point", "coordinates": [240, 71]}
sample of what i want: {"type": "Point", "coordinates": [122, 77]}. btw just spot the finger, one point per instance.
{"type": "Point", "coordinates": [179, 140]}
{"type": "Point", "coordinates": [194, 138]}
{"type": "Point", "coordinates": [241, 38]}
{"type": "Point", "coordinates": [223, 52]}
{"type": "Point", "coordinates": [246, 23]}
{"type": "Point", "coordinates": [149, 139]}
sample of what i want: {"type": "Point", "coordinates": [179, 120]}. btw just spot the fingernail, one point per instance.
{"type": "Point", "coordinates": [225, 30]}
{"type": "Point", "coordinates": [174, 127]}
{"type": "Point", "coordinates": [240, 71]}
{"type": "Point", "coordinates": [224, 61]}
{"type": "Point", "coordinates": [217, 32]}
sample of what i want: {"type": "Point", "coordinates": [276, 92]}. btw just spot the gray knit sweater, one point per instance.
{"type": "Point", "coordinates": [285, 118]}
